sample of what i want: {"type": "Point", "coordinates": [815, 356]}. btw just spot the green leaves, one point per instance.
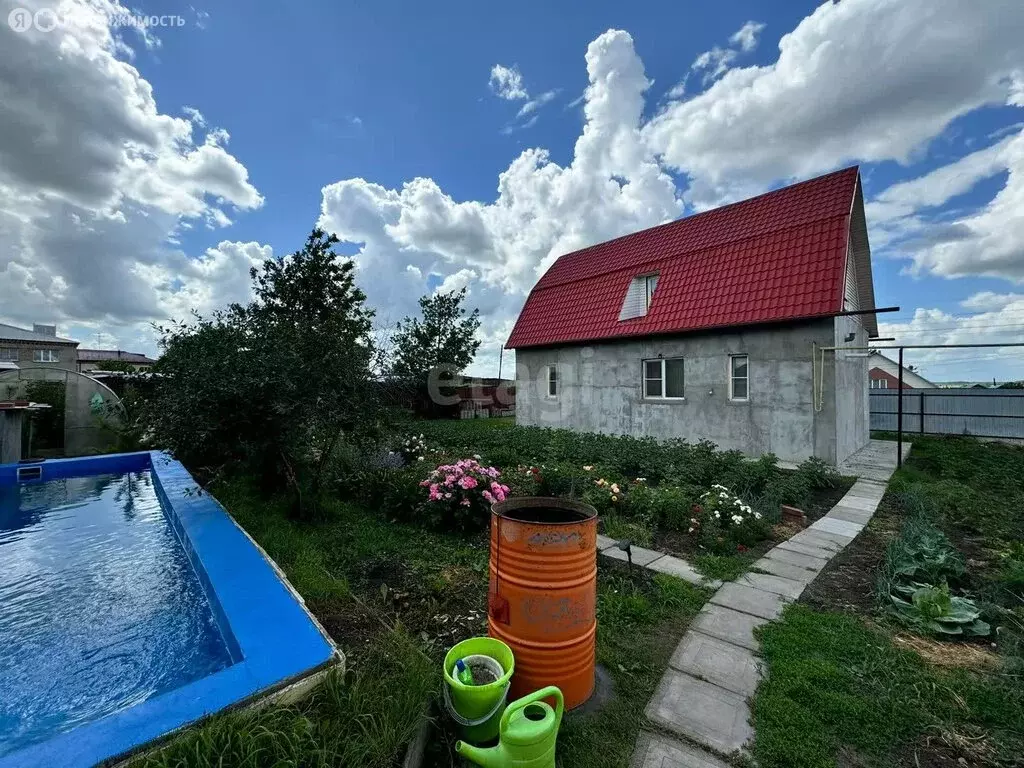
{"type": "Point", "coordinates": [933, 609]}
{"type": "Point", "coordinates": [276, 386]}
{"type": "Point", "coordinates": [445, 337]}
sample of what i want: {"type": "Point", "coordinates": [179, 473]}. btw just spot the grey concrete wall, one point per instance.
{"type": "Point", "coordinates": [852, 406]}
{"type": "Point", "coordinates": [600, 390]}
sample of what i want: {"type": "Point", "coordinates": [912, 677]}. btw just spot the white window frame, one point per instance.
{"type": "Point", "coordinates": [664, 379]}
{"type": "Point", "coordinates": [550, 377]}
{"type": "Point", "coordinates": [879, 384]}
{"type": "Point", "coordinates": [729, 372]}
{"type": "Point", "coordinates": [650, 284]}
{"type": "Point", "coordinates": [45, 356]}
{"type": "Point", "coordinates": [8, 354]}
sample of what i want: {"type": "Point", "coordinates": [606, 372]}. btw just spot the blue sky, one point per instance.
{"type": "Point", "coordinates": [465, 144]}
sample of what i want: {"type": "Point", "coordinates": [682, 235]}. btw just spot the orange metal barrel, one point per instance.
{"type": "Point", "coordinates": [543, 593]}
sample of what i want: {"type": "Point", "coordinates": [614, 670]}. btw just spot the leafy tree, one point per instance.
{"type": "Point", "coordinates": [445, 338]}
{"type": "Point", "coordinates": [278, 386]}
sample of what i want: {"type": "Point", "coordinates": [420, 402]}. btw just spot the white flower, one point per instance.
{"type": "Point", "coordinates": [737, 502]}
{"type": "Point", "coordinates": [717, 515]}
{"type": "Point", "coordinates": [420, 458]}
{"type": "Point", "coordinates": [723, 495]}
{"type": "Point", "coordinates": [737, 519]}
{"type": "Point", "coordinates": [757, 515]}
{"type": "Point", "coordinates": [690, 530]}
{"type": "Point", "coordinates": [476, 456]}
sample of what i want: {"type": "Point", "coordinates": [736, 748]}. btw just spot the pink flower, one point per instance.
{"type": "Point", "coordinates": [449, 480]}
{"type": "Point", "coordinates": [464, 502]}
{"type": "Point", "coordinates": [424, 483]}
{"type": "Point", "coordinates": [489, 496]}
{"type": "Point", "coordinates": [447, 495]}
{"type": "Point", "coordinates": [468, 482]}
{"type": "Point", "coordinates": [499, 495]}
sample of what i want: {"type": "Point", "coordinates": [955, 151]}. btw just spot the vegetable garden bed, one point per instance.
{"type": "Point", "coordinates": [857, 677]}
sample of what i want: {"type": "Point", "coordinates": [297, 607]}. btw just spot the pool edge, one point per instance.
{"type": "Point", "coordinates": [250, 678]}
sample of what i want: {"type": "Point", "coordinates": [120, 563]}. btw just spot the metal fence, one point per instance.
{"type": "Point", "coordinates": [978, 412]}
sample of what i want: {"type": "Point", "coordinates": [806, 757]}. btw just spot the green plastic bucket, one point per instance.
{"type": "Point", "coordinates": [478, 708]}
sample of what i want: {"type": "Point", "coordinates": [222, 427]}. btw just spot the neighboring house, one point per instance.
{"type": "Point", "coordinates": [486, 397]}
{"type": "Point", "coordinates": [40, 347]}
{"type": "Point", "coordinates": [90, 359]}
{"type": "Point", "coordinates": [884, 373]}
{"type": "Point", "coordinates": [721, 326]}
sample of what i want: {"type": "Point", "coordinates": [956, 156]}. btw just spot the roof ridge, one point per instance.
{"type": "Point", "coordinates": [613, 270]}
{"type": "Point", "coordinates": [691, 217]}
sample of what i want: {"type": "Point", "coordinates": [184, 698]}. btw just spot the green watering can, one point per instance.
{"type": "Point", "coordinates": [529, 728]}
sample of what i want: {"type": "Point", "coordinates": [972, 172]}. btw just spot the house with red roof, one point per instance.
{"type": "Point", "coordinates": [728, 325]}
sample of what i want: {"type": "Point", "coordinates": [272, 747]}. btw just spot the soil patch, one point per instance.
{"type": "Point", "coordinates": [442, 607]}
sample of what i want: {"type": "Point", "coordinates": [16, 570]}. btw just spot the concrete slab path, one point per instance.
{"type": "Point", "coordinates": [715, 669]}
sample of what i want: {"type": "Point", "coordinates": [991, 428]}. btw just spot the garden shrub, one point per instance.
{"type": "Point", "coordinates": [819, 473]}
{"type": "Point", "coordinates": [723, 523]}
{"type": "Point", "coordinates": [459, 495]}
{"type": "Point", "coordinates": [753, 478]}
{"type": "Point", "coordinates": [413, 448]}
{"type": "Point", "coordinates": [672, 506]}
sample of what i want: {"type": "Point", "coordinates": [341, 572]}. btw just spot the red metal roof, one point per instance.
{"type": "Point", "coordinates": [780, 256]}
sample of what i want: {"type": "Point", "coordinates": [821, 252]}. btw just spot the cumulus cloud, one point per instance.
{"type": "Point", "coordinates": [507, 82]}
{"type": "Point", "coordinates": [987, 241]}
{"type": "Point", "coordinates": [612, 186]}
{"type": "Point", "coordinates": [860, 80]}
{"type": "Point", "coordinates": [95, 181]}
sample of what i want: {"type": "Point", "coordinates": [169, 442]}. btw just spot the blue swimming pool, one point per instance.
{"type": "Point", "coordinates": [131, 605]}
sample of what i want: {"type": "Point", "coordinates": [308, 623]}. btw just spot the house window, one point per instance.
{"type": "Point", "coordinates": [739, 379]}
{"type": "Point", "coordinates": [8, 355]}
{"type": "Point", "coordinates": [639, 296]}
{"type": "Point", "coordinates": [663, 378]}
{"type": "Point", "coordinates": [552, 379]}
{"type": "Point", "coordinates": [879, 384]}
{"type": "Point", "coordinates": [45, 356]}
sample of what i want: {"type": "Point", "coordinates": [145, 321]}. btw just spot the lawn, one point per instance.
{"type": "Point", "coordinates": [395, 597]}
{"type": "Point", "coordinates": [852, 681]}
{"type": "Point", "coordinates": [396, 589]}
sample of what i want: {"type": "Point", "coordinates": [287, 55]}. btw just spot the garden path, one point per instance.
{"type": "Point", "coordinates": [700, 706]}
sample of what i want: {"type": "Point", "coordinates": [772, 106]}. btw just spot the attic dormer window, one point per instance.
{"type": "Point", "coordinates": [639, 296]}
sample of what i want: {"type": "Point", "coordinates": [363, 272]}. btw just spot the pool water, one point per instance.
{"type": "Point", "coordinates": [100, 608]}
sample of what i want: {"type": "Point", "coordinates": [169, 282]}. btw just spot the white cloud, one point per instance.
{"type": "Point", "coordinates": [860, 80]}
{"type": "Point", "coordinates": [612, 186]}
{"type": "Point", "coordinates": [457, 281]}
{"type": "Point", "coordinates": [507, 82]}
{"type": "Point", "coordinates": [536, 103]}
{"type": "Point", "coordinates": [934, 326]}
{"type": "Point", "coordinates": [988, 301]}
{"type": "Point", "coordinates": [194, 115]}
{"type": "Point", "coordinates": [746, 36]}
{"type": "Point", "coordinates": [988, 241]}
{"type": "Point", "coordinates": [95, 182]}
{"type": "Point", "coordinates": [714, 63]}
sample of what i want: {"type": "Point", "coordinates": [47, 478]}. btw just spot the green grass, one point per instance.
{"type": "Point", "coordinates": [723, 567]}
{"type": "Point", "coordinates": [362, 719]}
{"type": "Point", "coordinates": [366, 718]}
{"type": "Point", "coordinates": [639, 625]}
{"type": "Point", "coordinates": [640, 620]}
{"type": "Point", "coordinates": [836, 685]}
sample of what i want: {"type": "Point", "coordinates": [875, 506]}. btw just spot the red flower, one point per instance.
{"type": "Point", "coordinates": [740, 548]}
{"type": "Point", "coordinates": [697, 509]}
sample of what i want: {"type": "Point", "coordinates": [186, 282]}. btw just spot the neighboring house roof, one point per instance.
{"type": "Point", "coordinates": [891, 367]}
{"type": "Point", "coordinates": [780, 256]}
{"type": "Point", "coordinates": [100, 355]}
{"type": "Point", "coordinates": [13, 333]}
